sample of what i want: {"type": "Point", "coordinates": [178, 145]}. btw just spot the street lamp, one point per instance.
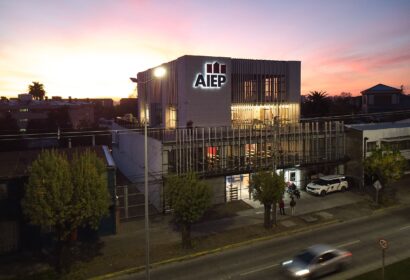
{"type": "Point", "coordinates": [158, 72]}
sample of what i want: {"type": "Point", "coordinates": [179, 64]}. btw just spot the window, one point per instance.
{"type": "Point", "coordinates": [172, 117]}
{"type": "Point", "coordinates": [23, 109]}
{"type": "Point", "coordinates": [325, 257]}
{"type": "Point", "coordinates": [268, 89]}
{"type": "Point", "coordinates": [395, 99]}
{"type": "Point", "coordinates": [371, 146]}
{"type": "Point", "coordinates": [250, 90]}
{"type": "Point", "coordinates": [292, 176]}
{"type": "Point", "coordinates": [370, 99]}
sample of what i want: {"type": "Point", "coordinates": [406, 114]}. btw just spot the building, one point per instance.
{"type": "Point", "coordinates": [16, 233]}
{"type": "Point", "coordinates": [236, 91]}
{"type": "Point", "coordinates": [380, 98]}
{"type": "Point", "coordinates": [225, 119]}
{"type": "Point", "coordinates": [128, 106]}
{"type": "Point", "coordinates": [362, 139]}
{"type": "Point", "coordinates": [36, 113]}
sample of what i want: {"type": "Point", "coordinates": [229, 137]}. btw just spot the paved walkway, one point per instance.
{"type": "Point", "coordinates": [331, 206]}
{"type": "Point", "coordinates": [162, 231]}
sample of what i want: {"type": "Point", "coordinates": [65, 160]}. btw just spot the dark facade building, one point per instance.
{"type": "Point", "coordinates": [128, 106]}
{"type": "Point", "coordinates": [380, 98]}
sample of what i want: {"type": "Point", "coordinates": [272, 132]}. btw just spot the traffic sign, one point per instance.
{"type": "Point", "coordinates": [383, 243]}
{"type": "Point", "coordinates": [377, 185]}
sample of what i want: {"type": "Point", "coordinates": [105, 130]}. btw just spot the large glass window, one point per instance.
{"type": "Point", "coordinates": [250, 90]}
{"type": "Point", "coordinates": [171, 117]}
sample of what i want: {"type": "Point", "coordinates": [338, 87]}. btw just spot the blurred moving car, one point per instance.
{"type": "Point", "coordinates": [317, 260]}
{"type": "Point", "coordinates": [327, 184]}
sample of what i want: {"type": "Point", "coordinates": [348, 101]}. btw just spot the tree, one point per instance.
{"type": "Point", "coordinates": [317, 103]}
{"type": "Point", "coordinates": [66, 196]}
{"type": "Point", "coordinates": [47, 199]}
{"type": "Point", "coordinates": [36, 89]}
{"type": "Point", "coordinates": [90, 200]}
{"type": "Point", "coordinates": [189, 198]}
{"type": "Point", "coordinates": [385, 165]}
{"type": "Point", "coordinates": [268, 188]}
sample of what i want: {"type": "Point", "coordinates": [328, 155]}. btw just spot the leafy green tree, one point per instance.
{"type": "Point", "coordinates": [47, 199]}
{"type": "Point", "coordinates": [91, 199]}
{"type": "Point", "coordinates": [66, 196]}
{"type": "Point", "coordinates": [189, 198]}
{"type": "Point", "coordinates": [48, 193]}
{"type": "Point", "coordinates": [386, 165]}
{"type": "Point", "coordinates": [268, 188]}
{"type": "Point", "coordinates": [36, 89]}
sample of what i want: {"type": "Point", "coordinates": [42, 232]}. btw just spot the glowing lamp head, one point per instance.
{"type": "Point", "coordinates": [159, 72]}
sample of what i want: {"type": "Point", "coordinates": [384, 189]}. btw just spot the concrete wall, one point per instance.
{"type": "Point", "coordinates": [203, 106]}
{"type": "Point", "coordinates": [128, 153]}
{"type": "Point", "coordinates": [218, 189]}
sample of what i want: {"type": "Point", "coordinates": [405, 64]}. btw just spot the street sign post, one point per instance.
{"type": "Point", "coordinates": [377, 185]}
{"type": "Point", "coordinates": [384, 245]}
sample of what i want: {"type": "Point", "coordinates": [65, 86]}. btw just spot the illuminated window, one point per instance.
{"type": "Point", "coordinates": [212, 152]}
{"type": "Point", "coordinates": [23, 109]}
{"type": "Point", "coordinates": [276, 89]}
{"type": "Point", "coordinates": [172, 117]}
{"type": "Point", "coordinates": [250, 90]}
{"type": "Point", "coordinates": [268, 89]}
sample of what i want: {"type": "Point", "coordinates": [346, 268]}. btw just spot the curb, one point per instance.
{"type": "Point", "coordinates": [212, 251]}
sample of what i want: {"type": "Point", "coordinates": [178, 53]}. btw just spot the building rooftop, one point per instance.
{"type": "Point", "coordinates": [381, 88]}
{"type": "Point", "coordinates": [376, 126]}
{"type": "Point", "coordinates": [16, 163]}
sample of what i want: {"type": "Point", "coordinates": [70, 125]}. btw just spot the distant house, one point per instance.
{"type": "Point", "coordinates": [15, 232]}
{"type": "Point", "coordinates": [380, 98]}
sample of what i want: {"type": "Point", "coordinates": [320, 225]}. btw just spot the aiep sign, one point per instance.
{"type": "Point", "coordinates": [213, 78]}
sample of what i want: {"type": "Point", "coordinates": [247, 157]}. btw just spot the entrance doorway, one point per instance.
{"type": "Point", "coordinates": [237, 187]}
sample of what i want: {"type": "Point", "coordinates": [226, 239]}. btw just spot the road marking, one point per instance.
{"type": "Point", "coordinates": [259, 212]}
{"type": "Point", "coordinates": [348, 243]}
{"type": "Point", "coordinates": [259, 269]}
{"type": "Point", "coordinates": [405, 227]}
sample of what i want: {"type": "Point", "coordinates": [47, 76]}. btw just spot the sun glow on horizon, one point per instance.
{"type": "Point", "coordinates": [90, 49]}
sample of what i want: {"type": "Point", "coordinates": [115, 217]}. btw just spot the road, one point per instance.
{"type": "Point", "coordinates": [262, 260]}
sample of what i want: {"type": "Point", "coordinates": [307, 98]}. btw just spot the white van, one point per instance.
{"type": "Point", "coordinates": [327, 184]}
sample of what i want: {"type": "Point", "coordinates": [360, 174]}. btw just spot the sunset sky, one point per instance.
{"type": "Point", "coordinates": [90, 48]}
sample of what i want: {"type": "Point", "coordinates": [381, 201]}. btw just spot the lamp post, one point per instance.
{"type": "Point", "coordinates": [158, 73]}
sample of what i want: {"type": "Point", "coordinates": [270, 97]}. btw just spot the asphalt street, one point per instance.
{"type": "Point", "coordinates": [262, 260]}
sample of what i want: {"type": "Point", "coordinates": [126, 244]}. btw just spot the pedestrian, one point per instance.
{"type": "Point", "coordinates": [282, 207]}
{"type": "Point", "coordinates": [292, 206]}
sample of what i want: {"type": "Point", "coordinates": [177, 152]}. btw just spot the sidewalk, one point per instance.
{"type": "Point", "coordinates": [161, 230]}
{"type": "Point", "coordinates": [311, 211]}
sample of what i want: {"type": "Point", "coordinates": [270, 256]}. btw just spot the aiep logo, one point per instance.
{"type": "Point", "coordinates": [214, 78]}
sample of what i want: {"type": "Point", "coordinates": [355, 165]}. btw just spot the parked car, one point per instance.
{"type": "Point", "coordinates": [317, 260]}
{"type": "Point", "coordinates": [327, 184]}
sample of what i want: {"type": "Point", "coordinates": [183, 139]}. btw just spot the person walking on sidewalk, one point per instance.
{"type": "Point", "coordinates": [282, 207]}
{"type": "Point", "coordinates": [292, 205]}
